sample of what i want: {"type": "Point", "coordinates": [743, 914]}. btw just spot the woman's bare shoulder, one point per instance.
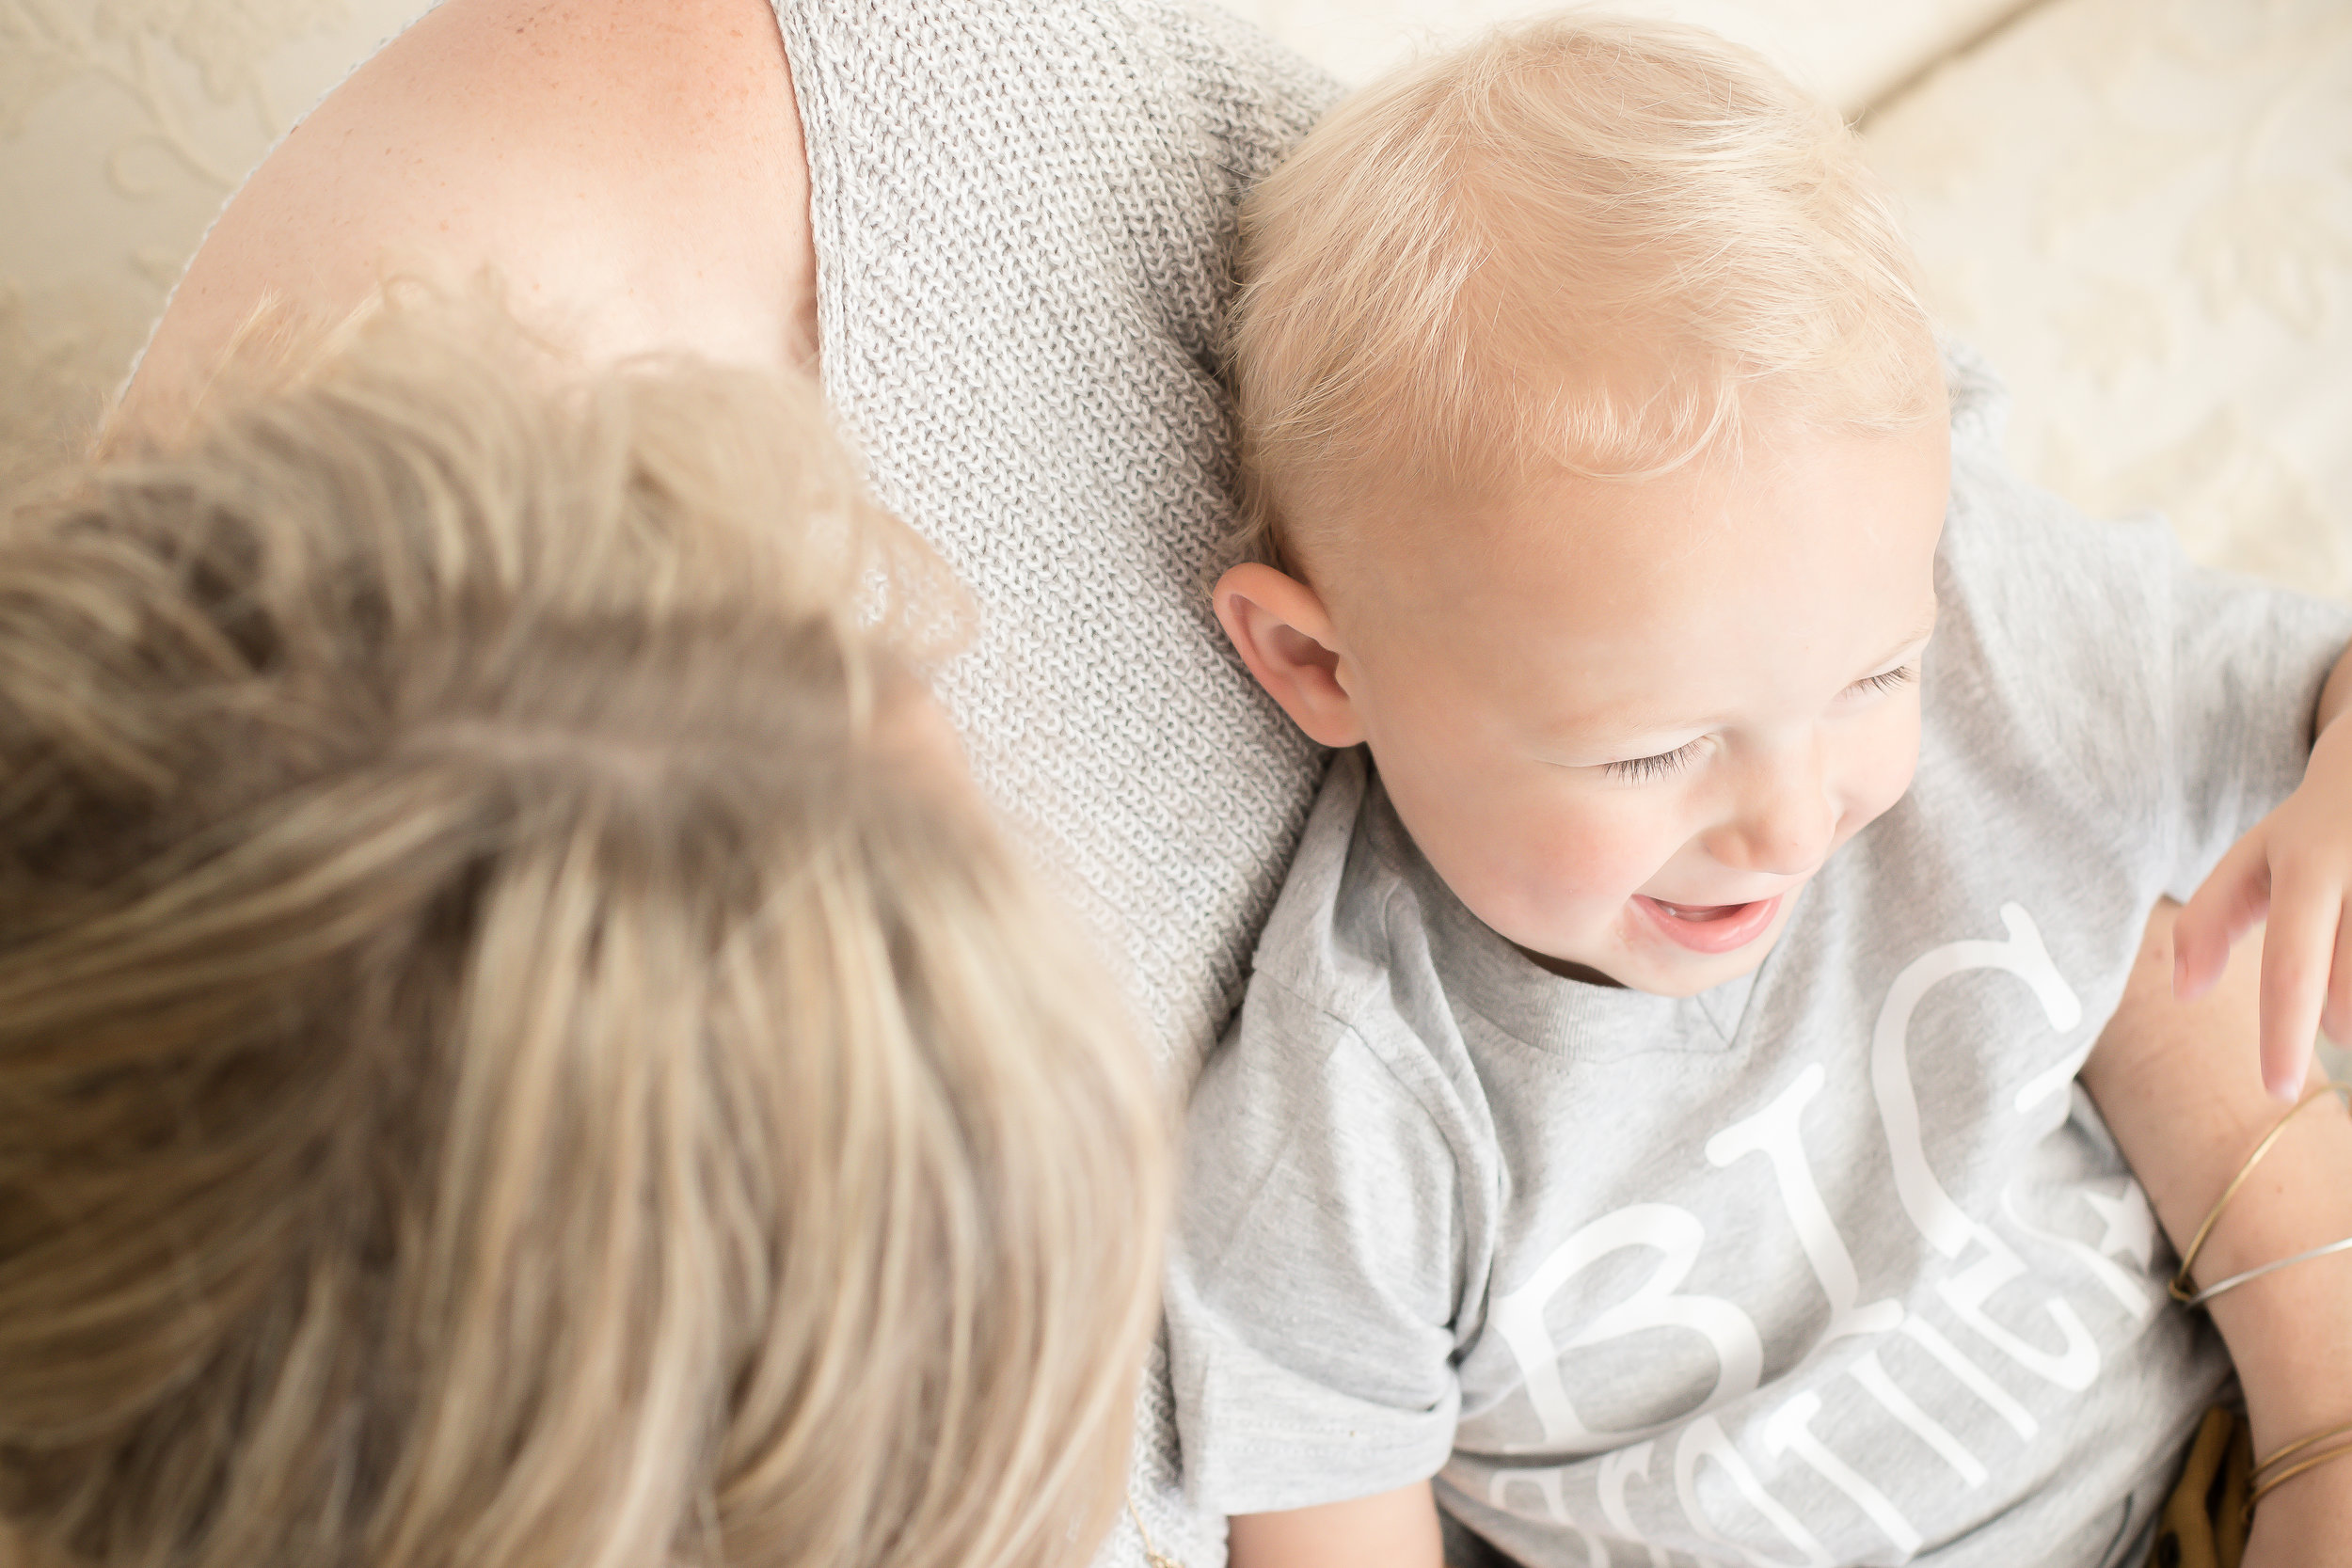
{"type": "Point", "coordinates": [629, 170]}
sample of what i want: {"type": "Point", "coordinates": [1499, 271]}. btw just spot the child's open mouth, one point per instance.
{"type": "Point", "coordinates": [1711, 928]}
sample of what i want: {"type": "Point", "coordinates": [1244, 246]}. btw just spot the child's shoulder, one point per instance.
{"type": "Point", "coordinates": [1345, 1020]}
{"type": "Point", "coordinates": [2014, 548]}
{"type": "Point", "coordinates": [1325, 938]}
{"type": "Point", "coordinates": [2081, 661]}
{"type": "Point", "coordinates": [2056, 610]}
{"type": "Point", "coordinates": [2046, 615]}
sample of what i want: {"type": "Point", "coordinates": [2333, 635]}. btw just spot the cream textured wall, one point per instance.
{"type": "Point", "coordinates": [124, 125]}
{"type": "Point", "coordinates": [2142, 211]}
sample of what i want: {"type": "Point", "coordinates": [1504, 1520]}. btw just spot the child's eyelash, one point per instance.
{"type": "Point", "coordinates": [1640, 768]}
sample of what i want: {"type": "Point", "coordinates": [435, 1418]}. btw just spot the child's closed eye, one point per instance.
{"type": "Point", "coordinates": [1888, 680]}
{"type": "Point", "coordinates": [1638, 770]}
{"type": "Point", "coordinates": [1642, 769]}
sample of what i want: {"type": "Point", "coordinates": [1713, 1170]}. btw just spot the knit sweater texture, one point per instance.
{"type": "Point", "coordinates": [1022, 214]}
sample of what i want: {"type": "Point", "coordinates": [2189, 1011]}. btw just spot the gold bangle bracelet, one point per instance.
{"type": "Point", "coordinates": [2183, 1288]}
{"type": "Point", "coordinates": [2298, 1446]}
{"type": "Point", "coordinates": [2314, 1463]}
{"type": "Point", "coordinates": [2221, 1287]}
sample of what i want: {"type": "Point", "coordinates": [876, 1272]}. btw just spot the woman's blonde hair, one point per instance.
{"type": "Point", "coordinates": [1594, 244]}
{"type": "Point", "coordinates": [512, 1051]}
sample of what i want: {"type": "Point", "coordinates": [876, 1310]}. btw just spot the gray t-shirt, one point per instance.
{"type": "Point", "coordinates": [1830, 1264]}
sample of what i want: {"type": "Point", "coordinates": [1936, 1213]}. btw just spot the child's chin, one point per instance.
{"type": "Point", "coordinates": [1690, 979]}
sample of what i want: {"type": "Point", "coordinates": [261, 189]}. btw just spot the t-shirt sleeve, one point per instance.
{"type": "Point", "coordinates": [1313, 1270]}
{"type": "Point", "coordinates": [2172, 701]}
{"type": "Point", "coordinates": [2247, 663]}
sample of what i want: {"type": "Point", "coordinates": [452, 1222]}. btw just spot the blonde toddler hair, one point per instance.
{"type": "Point", "coordinates": [512, 1054]}
{"type": "Point", "coordinates": [1592, 244]}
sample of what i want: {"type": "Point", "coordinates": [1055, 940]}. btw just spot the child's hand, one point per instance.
{"type": "Point", "coordinates": [2293, 869]}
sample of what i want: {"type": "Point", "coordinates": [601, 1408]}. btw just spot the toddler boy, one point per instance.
{"type": "Point", "coordinates": [1653, 1111]}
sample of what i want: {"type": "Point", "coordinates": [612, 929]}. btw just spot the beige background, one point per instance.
{"type": "Point", "coordinates": [124, 126]}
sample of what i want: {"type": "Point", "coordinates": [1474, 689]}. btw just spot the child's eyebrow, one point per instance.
{"type": "Point", "coordinates": [1920, 632]}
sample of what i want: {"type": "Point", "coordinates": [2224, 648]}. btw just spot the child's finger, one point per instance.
{"type": "Point", "coordinates": [2297, 951]}
{"type": "Point", "coordinates": [2231, 902]}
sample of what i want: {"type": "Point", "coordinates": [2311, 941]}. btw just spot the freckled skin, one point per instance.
{"type": "Point", "coordinates": [630, 174]}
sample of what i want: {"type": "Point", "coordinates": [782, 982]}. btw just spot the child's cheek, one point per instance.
{"type": "Point", "coordinates": [1890, 768]}
{"type": "Point", "coordinates": [1592, 855]}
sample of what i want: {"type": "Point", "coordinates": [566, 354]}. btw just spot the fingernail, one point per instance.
{"type": "Point", "coordinates": [2282, 1086]}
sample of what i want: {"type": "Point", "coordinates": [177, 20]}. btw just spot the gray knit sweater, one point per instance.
{"type": "Point", "coordinates": [1022, 210]}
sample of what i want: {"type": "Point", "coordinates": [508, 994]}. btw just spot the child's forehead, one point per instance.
{"type": "Point", "coordinates": [1777, 571]}
{"type": "Point", "coordinates": [1799, 491]}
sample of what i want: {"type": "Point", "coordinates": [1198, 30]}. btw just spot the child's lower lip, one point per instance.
{"type": "Point", "coordinates": [1710, 928]}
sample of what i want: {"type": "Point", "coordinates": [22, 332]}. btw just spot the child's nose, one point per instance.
{"type": "Point", "coordinates": [1782, 819]}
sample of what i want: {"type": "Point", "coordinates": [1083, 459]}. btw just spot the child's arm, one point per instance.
{"type": "Point", "coordinates": [2162, 1078]}
{"type": "Point", "coordinates": [2293, 869]}
{"type": "Point", "coordinates": [1391, 1529]}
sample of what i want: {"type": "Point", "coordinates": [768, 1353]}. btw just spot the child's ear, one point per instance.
{"type": "Point", "coordinates": [1279, 629]}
